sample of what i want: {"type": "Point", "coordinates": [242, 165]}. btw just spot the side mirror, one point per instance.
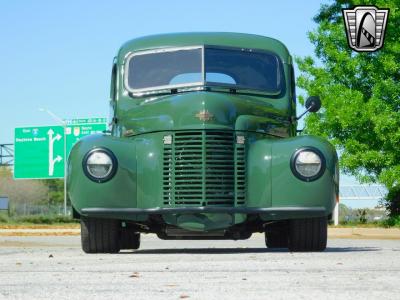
{"type": "Point", "coordinates": [313, 104]}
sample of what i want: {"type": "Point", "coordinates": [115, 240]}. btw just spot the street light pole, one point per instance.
{"type": "Point", "coordinates": [64, 124]}
{"type": "Point", "coordinates": [65, 167]}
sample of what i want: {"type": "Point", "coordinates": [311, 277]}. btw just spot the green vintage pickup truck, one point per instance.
{"type": "Point", "coordinates": [203, 145]}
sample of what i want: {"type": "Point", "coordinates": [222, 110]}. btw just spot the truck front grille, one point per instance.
{"type": "Point", "coordinates": [204, 168]}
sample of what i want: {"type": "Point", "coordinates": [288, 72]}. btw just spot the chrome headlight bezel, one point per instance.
{"type": "Point", "coordinates": [295, 157]}
{"type": "Point", "coordinates": [110, 174]}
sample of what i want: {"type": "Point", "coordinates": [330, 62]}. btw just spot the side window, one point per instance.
{"type": "Point", "coordinates": [293, 84]}
{"type": "Point", "coordinates": [113, 86]}
{"type": "Point", "coordinates": [113, 94]}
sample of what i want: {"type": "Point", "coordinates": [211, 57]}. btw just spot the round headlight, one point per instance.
{"type": "Point", "coordinates": [308, 164]}
{"type": "Point", "coordinates": [100, 165]}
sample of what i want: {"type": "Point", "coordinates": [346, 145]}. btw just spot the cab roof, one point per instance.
{"type": "Point", "coordinates": [228, 39]}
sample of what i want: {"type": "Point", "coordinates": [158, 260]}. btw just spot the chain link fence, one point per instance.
{"type": "Point", "coordinates": [27, 209]}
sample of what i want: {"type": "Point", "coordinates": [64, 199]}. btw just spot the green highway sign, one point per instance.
{"type": "Point", "coordinates": [77, 130]}
{"type": "Point", "coordinates": [39, 151]}
{"type": "Point", "coordinates": [87, 121]}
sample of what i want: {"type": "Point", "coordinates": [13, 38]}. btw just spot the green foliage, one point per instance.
{"type": "Point", "coordinates": [359, 93]}
{"type": "Point", "coordinates": [3, 218]}
{"type": "Point", "coordinates": [5, 172]}
{"type": "Point", "coordinates": [21, 191]}
{"type": "Point", "coordinates": [38, 219]}
{"type": "Point", "coordinates": [344, 210]}
{"type": "Point", "coordinates": [45, 219]}
{"type": "Point", "coordinates": [392, 201]}
{"type": "Point", "coordinates": [49, 192]}
{"type": "Point", "coordinates": [362, 216]}
{"type": "Point", "coordinates": [56, 191]}
{"type": "Point", "coordinates": [348, 215]}
{"type": "Point", "coordinates": [392, 222]}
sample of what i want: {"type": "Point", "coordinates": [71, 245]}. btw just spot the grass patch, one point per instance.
{"type": "Point", "coordinates": [4, 218]}
{"type": "Point", "coordinates": [387, 223]}
{"type": "Point", "coordinates": [37, 219]}
{"type": "Point", "coordinates": [359, 224]}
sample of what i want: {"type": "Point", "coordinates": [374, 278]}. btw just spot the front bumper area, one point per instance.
{"type": "Point", "coordinates": [269, 213]}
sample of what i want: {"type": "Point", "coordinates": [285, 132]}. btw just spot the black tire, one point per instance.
{"type": "Point", "coordinates": [308, 234]}
{"type": "Point", "coordinates": [130, 239]}
{"type": "Point", "coordinates": [276, 235]}
{"type": "Point", "coordinates": [100, 235]}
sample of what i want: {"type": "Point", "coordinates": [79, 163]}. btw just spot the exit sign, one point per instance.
{"type": "Point", "coordinates": [39, 151]}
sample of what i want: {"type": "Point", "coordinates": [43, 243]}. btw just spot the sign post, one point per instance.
{"type": "Point", "coordinates": [65, 167]}
{"type": "Point", "coordinates": [5, 204]}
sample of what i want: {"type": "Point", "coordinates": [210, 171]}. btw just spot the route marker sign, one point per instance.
{"type": "Point", "coordinates": [39, 151]}
{"type": "Point", "coordinates": [78, 128]}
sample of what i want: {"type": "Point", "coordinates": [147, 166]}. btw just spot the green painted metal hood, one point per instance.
{"type": "Point", "coordinates": [150, 113]}
{"type": "Point", "coordinates": [181, 112]}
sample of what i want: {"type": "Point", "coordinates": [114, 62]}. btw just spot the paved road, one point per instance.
{"type": "Point", "coordinates": [55, 268]}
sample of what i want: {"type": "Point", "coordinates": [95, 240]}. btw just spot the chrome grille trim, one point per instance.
{"type": "Point", "coordinates": [204, 168]}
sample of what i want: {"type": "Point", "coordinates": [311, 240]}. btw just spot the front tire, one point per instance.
{"type": "Point", "coordinates": [308, 234]}
{"type": "Point", "coordinates": [100, 235]}
{"type": "Point", "coordinates": [130, 240]}
{"type": "Point", "coordinates": [276, 235]}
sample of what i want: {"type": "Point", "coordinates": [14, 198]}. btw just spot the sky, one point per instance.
{"type": "Point", "coordinates": [57, 55]}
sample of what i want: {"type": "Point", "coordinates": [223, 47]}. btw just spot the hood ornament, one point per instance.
{"type": "Point", "coordinates": [204, 115]}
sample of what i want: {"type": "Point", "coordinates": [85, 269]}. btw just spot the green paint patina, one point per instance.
{"type": "Point", "coordinates": [227, 157]}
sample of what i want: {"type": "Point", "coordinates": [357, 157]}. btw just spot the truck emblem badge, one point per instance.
{"type": "Point", "coordinates": [204, 115]}
{"type": "Point", "coordinates": [365, 27]}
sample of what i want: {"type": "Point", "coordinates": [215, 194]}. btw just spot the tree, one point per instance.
{"type": "Point", "coordinates": [56, 190]}
{"type": "Point", "coordinates": [21, 191]}
{"type": "Point", "coordinates": [360, 94]}
{"type": "Point", "coordinates": [49, 191]}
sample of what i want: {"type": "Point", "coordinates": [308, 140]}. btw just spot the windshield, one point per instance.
{"type": "Point", "coordinates": [201, 66]}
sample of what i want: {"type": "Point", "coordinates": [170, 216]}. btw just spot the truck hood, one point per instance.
{"type": "Point", "coordinates": [204, 110]}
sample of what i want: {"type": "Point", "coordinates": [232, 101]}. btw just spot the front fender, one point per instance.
{"type": "Point", "coordinates": [120, 190]}
{"type": "Point", "coordinates": [288, 190]}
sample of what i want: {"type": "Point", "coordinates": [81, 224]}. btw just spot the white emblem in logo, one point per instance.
{"type": "Point", "coordinates": [365, 27]}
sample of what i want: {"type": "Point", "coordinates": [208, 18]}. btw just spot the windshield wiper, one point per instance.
{"type": "Point", "coordinates": [241, 91]}
{"type": "Point", "coordinates": [211, 88]}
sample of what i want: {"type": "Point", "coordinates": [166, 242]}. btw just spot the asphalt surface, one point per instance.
{"type": "Point", "coordinates": [54, 267]}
